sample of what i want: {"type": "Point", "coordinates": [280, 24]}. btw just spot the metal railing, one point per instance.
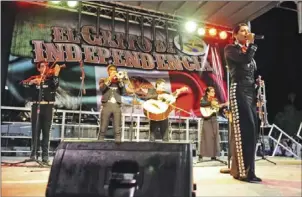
{"type": "Point", "coordinates": [299, 131]}
{"type": "Point", "coordinates": [278, 141]}
{"type": "Point", "coordinates": [140, 122]}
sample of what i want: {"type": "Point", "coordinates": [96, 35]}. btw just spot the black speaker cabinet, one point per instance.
{"type": "Point", "coordinates": [84, 169]}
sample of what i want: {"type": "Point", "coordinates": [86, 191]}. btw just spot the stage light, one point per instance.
{"type": "Point", "coordinates": [191, 26]}
{"type": "Point", "coordinates": [212, 32]}
{"type": "Point", "coordinates": [223, 35]}
{"type": "Point", "coordinates": [201, 31]}
{"type": "Point", "coordinates": [72, 4]}
{"type": "Point", "coordinates": [54, 2]}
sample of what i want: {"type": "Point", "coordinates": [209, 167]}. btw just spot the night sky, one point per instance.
{"type": "Point", "coordinates": [279, 58]}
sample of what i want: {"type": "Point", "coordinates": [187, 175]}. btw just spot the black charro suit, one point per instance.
{"type": "Point", "coordinates": [43, 98]}
{"type": "Point", "coordinates": [243, 106]}
{"type": "Point", "coordinates": [111, 105]}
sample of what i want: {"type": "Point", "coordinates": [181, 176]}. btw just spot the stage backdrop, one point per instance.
{"type": "Point", "coordinates": [41, 33]}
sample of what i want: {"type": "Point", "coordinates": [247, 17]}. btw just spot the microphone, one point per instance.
{"type": "Point", "coordinates": [259, 37]}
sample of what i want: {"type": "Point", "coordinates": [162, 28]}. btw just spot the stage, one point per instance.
{"type": "Point", "coordinates": [283, 179]}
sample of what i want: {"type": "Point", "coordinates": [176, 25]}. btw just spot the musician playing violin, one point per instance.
{"type": "Point", "coordinates": [159, 93]}
{"type": "Point", "coordinates": [42, 89]}
{"type": "Point", "coordinates": [210, 139]}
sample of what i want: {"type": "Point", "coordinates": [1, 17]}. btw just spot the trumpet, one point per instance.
{"type": "Point", "coordinates": [122, 75]}
{"type": "Point", "coordinates": [261, 102]}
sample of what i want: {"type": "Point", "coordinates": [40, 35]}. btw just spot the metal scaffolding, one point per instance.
{"type": "Point", "coordinates": [121, 12]}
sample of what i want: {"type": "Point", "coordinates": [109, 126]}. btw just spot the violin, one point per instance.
{"type": "Point", "coordinates": [49, 72]}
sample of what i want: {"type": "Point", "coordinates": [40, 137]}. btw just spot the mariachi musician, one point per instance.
{"type": "Point", "coordinates": [159, 93]}
{"type": "Point", "coordinates": [240, 59]}
{"type": "Point", "coordinates": [112, 88]}
{"type": "Point", "coordinates": [42, 89]}
{"type": "Point", "coordinates": [210, 139]}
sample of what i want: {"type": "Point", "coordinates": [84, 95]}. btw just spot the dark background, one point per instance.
{"type": "Point", "coordinates": [279, 56]}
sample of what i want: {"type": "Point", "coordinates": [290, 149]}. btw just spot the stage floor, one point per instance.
{"type": "Point", "coordinates": [283, 179]}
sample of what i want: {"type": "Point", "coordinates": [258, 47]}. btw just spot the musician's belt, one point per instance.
{"type": "Point", "coordinates": [43, 102]}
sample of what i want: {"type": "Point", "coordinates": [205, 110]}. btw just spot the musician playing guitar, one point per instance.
{"type": "Point", "coordinates": [159, 93]}
{"type": "Point", "coordinates": [210, 146]}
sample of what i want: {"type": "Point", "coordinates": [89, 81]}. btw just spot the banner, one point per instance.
{"type": "Point", "coordinates": [45, 33]}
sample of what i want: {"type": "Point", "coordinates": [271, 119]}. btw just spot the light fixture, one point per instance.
{"type": "Point", "coordinates": [201, 31]}
{"type": "Point", "coordinates": [191, 26]}
{"type": "Point", "coordinates": [54, 2]}
{"type": "Point", "coordinates": [212, 32]}
{"type": "Point", "coordinates": [72, 4]}
{"type": "Point", "coordinates": [223, 35]}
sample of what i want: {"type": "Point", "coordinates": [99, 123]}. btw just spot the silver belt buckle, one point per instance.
{"type": "Point", "coordinates": [112, 100]}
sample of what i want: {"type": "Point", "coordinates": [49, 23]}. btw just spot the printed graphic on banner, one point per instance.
{"type": "Point", "coordinates": [41, 34]}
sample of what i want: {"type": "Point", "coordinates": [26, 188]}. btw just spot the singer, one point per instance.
{"type": "Point", "coordinates": [112, 88]}
{"type": "Point", "coordinates": [240, 59]}
{"type": "Point", "coordinates": [42, 90]}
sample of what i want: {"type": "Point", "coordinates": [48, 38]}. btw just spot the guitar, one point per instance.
{"type": "Point", "coordinates": [159, 110]}
{"type": "Point", "coordinates": [206, 112]}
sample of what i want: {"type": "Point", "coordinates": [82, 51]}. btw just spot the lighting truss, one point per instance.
{"type": "Point", "coordinates": [136, 15]}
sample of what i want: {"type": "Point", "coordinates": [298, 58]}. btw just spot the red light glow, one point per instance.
{"type": "Point", "coordinates": [223, 35]}
{"type": "Point", "coordinates": [212, 32]}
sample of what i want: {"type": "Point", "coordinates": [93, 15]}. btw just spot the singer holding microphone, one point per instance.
{"type": "Point", "coordinates": [240, 59]}
{"type": "Point", "coordinates": [112, 89]}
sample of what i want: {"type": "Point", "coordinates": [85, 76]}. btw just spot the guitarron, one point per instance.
{"type": "Point", "coordinates": [158, 110]}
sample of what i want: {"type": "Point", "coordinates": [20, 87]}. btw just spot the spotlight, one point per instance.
{"type": "Point", "coordinates": [72, 4]}
{"type": "Point", "coordinates": [191, 26]}
{"type": "Point", "coordinates": [223, 35]}
{"type": "Point", "coordinates": [54, 2]}
{"type": "Point", "coordinates": [212, 32]}
{"type": "Point", "coordinates": [201, 31]}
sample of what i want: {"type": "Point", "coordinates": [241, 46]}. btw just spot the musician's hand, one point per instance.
{"type": "Point", "coordinates": [160, 97]}
{"type": "Point", "coordinates": [172, 100]}
{"type": "Point", "coordinates": [111, 77]}
{"type": "Point", "coordinates": [57, 70]}
{"type": "Point", "coordinates": [177, 92]}
{"type": "Point", "coordinates": [250, 38]}
{"type": "Point", "coordinates": [169, 98]}
{"type": "Point", "coordinates": [214, 103]}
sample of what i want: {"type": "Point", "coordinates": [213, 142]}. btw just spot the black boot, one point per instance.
{"type": "Point", "coordinates": [34, 156]}
{"type": "Point", "coordinates": [254, 178]}
{"type": "Point", "coordinates": [45, 161]}
{"type": "Point", "coordinates": [244, 179]}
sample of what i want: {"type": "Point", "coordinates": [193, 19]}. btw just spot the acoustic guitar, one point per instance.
{"type": "Point", "coordinates": [207, 112]}
{"type": "Point", "coordinates": [158, 110]}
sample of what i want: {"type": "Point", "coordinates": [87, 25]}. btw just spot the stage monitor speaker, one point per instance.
{"type": "Point", "coordinates": [91, 169]}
